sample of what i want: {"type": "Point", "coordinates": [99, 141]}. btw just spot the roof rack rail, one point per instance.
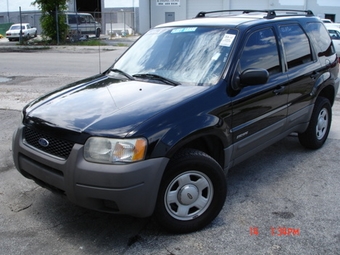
{"type": "Point", "coordinates": [270, 13]}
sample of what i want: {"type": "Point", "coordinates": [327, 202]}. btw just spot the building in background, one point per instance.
{"type": "Point", "coordinates": [119, 17]}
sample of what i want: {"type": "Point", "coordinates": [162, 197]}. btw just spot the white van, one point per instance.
{"type": "Point", "coordinates": [84, 23]}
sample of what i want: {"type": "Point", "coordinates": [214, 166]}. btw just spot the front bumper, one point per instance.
{"type": "Point", "coordinates": [123, 189]}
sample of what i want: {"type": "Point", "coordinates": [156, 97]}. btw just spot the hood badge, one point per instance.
{"type": "Point", "coordinates": [43, 142]}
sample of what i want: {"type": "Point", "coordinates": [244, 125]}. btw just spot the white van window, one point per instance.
{"type": "Point", "coordinates": [72, 19]}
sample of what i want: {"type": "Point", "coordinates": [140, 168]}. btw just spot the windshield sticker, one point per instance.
{"type": "Point", "coordinates": [216, 56]}
{"type": "Point", "coordinates": [156, 31]}
{"type": "Point", "coordinates": [183, 30]}
{"type": "Point", "coordinates": [227, 40]}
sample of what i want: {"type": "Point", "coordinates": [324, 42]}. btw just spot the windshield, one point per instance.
{"type": "Point", "coordinates": [187, 55]}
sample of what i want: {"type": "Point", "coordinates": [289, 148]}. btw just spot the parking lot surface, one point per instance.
{"type": "Point", "coordinates": [284, 200]}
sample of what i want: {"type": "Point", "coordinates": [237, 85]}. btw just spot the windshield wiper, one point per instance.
{"type": "Point", "coordinates": [156, 77]}
{"type": "Point", "coordinates": [122, 73]}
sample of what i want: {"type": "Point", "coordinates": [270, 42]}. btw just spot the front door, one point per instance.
{"type": "Point", "coordinates": [259, 111]}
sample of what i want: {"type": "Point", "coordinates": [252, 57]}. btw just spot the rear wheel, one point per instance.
{"type": "Point", "coordinates": [320, 123]}
{"type": "Point", "coordinates": [98, 33]}
{"type": "Point", "coordinates": [192, 192]}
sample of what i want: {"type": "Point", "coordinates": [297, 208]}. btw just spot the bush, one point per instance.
{"type": "Point", "coordinates": [52, 11]}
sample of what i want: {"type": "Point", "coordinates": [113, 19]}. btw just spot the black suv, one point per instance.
{"type": "Point", "coordinates": [157, 132]}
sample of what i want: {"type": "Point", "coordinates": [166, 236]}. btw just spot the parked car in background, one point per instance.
{"type": "Point", "coordinates": [83, 24]}
{"type": "Point", "coordinates": [27, 32]}
{"type": "Point", "coordinates": [328, 22]}
{"type": "Point", "coordinates": [334, 32]}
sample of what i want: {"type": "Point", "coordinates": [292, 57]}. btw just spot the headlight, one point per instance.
{"type": "Point", "coordinates": [109, 151]}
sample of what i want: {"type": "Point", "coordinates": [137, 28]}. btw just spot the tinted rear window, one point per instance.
{"type": "Point", "coordinates": [296, 45]}
{"type": "Point", "coordinates": [321, 38]}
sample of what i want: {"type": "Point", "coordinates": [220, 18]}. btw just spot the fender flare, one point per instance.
{"type": "Point", "coordinates": [188, 130]}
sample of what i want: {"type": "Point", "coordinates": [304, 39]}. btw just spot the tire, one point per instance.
{"type": "Point", "coordinates": [98, 33]}
{"type": "Point", "coordinates": [36, 34]}
{"type": "Point", "coordinates": [320, 123]}
{"type": "Point", "coordinates": [192, 192]}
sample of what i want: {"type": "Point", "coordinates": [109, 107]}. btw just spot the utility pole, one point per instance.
{"type": "Point", "coordinates": [20, 32]}
{"type": "Point", "coordinates": [8, 19]}
{"type": "Point", "coordinates": [56, 18]}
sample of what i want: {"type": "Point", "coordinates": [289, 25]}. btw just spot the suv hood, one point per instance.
{"type": "Point", "coordinates": [106, 106]}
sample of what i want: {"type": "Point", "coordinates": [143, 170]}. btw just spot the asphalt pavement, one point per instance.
{"type": "Point", "coordinates": [284, 200]}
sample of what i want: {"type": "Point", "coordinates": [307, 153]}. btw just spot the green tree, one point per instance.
{"type": "Point", "coordinates": [53, 20]}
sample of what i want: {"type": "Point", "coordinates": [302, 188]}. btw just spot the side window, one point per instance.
{"type": "Point", "coordinates": [261, 51]}
{"type": "Point", "coordinates": [81, 19]}
{"type": "Point", "coordinates": [87, 18]}
{"type": "Point", "coordinates": [334, 34]}
{"type": "Point", "coordinates": [296, 45]}
{"type": "Point", "coordinates": [72, 19]}
{"type": "Point", "coordinates": [322, 41]}
{"type": "Point", "coordinates": [91, 19]}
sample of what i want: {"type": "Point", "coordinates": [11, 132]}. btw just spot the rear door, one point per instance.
{"type": "Point", "coordinates": [302, 70]}
{"type": "Point", "coordinates": [259, 111]}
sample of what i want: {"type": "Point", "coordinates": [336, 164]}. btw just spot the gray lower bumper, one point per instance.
{"type": "Point", "coordinates": [125, 189]}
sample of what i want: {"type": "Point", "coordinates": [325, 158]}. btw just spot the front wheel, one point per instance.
{"type": "Point", "coordinates": [192, 192]}
{"type": "Point", "coordinates": [320, 123]}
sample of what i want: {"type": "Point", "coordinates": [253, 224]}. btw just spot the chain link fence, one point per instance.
{"type": "Point", "coordinates": [113, 24]}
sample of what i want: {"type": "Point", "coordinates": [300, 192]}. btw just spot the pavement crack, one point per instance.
{"type": "Point", "coordinates": [23, 201]}
{"type": "Point", "coordinates": [23, 208]}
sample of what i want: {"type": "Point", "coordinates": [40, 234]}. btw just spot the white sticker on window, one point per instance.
{"type": "Point", "coordinates": [216, 56]}
{"type": "Point", "coordinates": [184, 30]}
{"type": "Point", "coordinates": [227, 40]}
{"type": "Point", "coordinates": [156, 31]}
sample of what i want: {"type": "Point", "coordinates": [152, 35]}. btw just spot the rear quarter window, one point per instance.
{"type": "Point", "coordinates": [321, 39]}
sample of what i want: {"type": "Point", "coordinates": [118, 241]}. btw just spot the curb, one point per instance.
{"type": "Point", "coordinates": [61, 48]}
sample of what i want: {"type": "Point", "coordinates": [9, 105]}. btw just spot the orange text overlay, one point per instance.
{"type": "Point", "coordinates": [278, 231]}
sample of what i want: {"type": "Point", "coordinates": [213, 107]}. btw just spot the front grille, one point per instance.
{"type": "Point", "coordinates": [56, 147]}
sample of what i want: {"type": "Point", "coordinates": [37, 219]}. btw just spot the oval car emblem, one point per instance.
{"type": "Point", "coordinates": [43, 142]}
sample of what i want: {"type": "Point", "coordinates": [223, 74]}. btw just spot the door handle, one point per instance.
{"type": "Point", "coordinates": [278, 90]}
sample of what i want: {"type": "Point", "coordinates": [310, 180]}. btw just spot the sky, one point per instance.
{"type": "Point", "coordinates": [13, 5]}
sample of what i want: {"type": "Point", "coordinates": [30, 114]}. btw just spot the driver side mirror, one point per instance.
{"type": "Point", "coordinates": [250, 77]}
